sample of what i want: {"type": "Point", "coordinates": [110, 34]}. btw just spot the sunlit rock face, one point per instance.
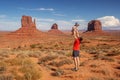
{"type": "Point", "coordinates": [55, 30]}
{"type": "Point", "coordinates": [94, 25]}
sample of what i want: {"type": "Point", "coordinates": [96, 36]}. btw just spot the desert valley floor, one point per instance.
{"type": "Point", "coordinates": [48, 56]}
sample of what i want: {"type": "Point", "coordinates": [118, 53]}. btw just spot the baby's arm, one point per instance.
{"type": "Point", "coordinates": [75, 32]}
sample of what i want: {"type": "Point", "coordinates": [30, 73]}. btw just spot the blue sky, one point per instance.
{"type": "Point", "coordinates": [63, 12]}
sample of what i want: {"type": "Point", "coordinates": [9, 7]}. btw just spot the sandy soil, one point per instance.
{"type": "Point", "coordinates": [51, 55]}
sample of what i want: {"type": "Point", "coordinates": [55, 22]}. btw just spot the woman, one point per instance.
{"type": "Point", "coordinates": [76, 52]}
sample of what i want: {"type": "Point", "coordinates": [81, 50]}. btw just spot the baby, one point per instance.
{"type": "Point", "coordinates": [75, 31]}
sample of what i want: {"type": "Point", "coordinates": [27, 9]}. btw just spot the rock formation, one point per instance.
{"type": "Point", "coordinates": [28, 28]}
{"type": "Point", "coordinates": [94, 25]}
{"type": "Point", "coordinates": [94, 29]}
{"type": "Point", "coordinates": [55, 30]}
{"type": "Point", "coordinates": [54, 26]}
{"type": "Point", "coordinates": [26, 21]}
{"type": "Point", "coordinates": [27, 34]}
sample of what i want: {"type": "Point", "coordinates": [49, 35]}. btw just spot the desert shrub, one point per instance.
{"type": "Point", "coordinates": [30, 70]}
{"type": "Point", "coordinates": [58, 72]}
{"type": "Point", "coordinates": [93, 65]}
{"type": "Point", "coordinates": [18, 77]}
{"type": "Point", "coordinates": [96, 56]}
{"type": "Point", "coordinates": [94, 78]}
{"type": "Point", "coordinates": [53, 63]}
{"type": "Point", "coordinates": [93, 52]}
{"type": "Point", "coordinates": [15, 61]}
{"type": "Point", "coordinates": [40, 46]}
{"type": "Point", "coordinates": [117, 74]}
{"type": "Point", "coordinates": [104, 72]}
{"type": "Point", "coordinates": [113, 53]}
{"type": "Point", "coordinates": [68, 53]}
{"type": "Point", "coordinates": [35, 54]}
{"type": "Point", "coordinates": [56, 45]}
{"type": "Point", "coordinates": [4, 54]}
{"type": "Point", "coordinates": [60, 63]}
{"type": "Point", "coordinates": [63, 62]}
{"type": "Point", "coordinates": [18, 47]}
{"type": "Point", "coordinates": [118, 67]}
{"type": "Point", "coordinates": [61, 52]}
{"type": "Point", "coordinates": [107, 58]}
{"type": "Point", "coordinates": [110, 78]}
{"type": "Point", "coordinates": [22, 55]}
{"type": "Point", "coordinates": [3, 66]}
{"type": "Point", "coordinates": [47, 58]}
{"type": "Point", "coordinates": [18, 61]}
{"type": "Point", "coordinates": [104, 46]}
{"type": "Point", "coordinates": [6, 77]}
{"type": "Point", "coordinates": [33, 46]}
{"type": "Point", "coordinates": [118, 62]}
{"type": "Point", "coordinates": [2, 69]}
{"type": "Point", "coordinates": [2, 58]}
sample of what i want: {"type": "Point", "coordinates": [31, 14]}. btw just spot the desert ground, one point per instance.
{"type": "Point", "coordinates": [48, 57]}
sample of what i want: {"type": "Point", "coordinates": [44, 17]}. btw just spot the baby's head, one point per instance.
{"type": "Point", "coordinates": [76, 24]}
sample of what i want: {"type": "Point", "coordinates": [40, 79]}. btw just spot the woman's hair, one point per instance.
{"type": "Point", "coordinates": [80, 39]}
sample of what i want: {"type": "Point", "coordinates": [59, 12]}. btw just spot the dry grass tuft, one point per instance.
{"type": "Point", "coordinates": [30, 70]}
{"type": "Point", "coordinates": [47, 58]}
{"type": "Point", "coordinates": [61, 63]}
{"type": "Point", "coordinates": [104, 72]}
{"type": "Point", "coordinates": [6, 77]}
{"type": "Point", "coordinates": [58, 72]}
{"type": "Point", "coordinates": [94, 78]}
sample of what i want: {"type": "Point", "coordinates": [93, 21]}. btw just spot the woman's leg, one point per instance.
{"type": "Point", "coordinates": [75, 62]}
{"type": "Point", "coordinates": [78, 61]}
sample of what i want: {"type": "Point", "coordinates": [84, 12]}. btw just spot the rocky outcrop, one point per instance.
{"type": "Point", "coordinates": [26, 21]}
{"type": "Point", "coordinates": [55, 30]}
{"type": "Point", "coordinates": [54, 26]}
{"type": "Point", "coordinates": [28, 28]}
{"type": "Point", "coordinates": [94, 25]}
{"type": "Point", "coordinates": [26, 35]}
{"type": "Point", "coordinates": [94, 29]}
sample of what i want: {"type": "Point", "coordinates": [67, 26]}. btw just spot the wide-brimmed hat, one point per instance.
{"type": "Point", "coordinates": [76, 24]}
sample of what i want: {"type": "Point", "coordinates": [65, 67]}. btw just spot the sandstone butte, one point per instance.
{"type": "Point", "coordinates": [27, 29]}
{"type": "Point", "coordinates": [94, 25]}
{"type": "Point", "coordinates": [55, 30]}
{"type": "Point", "coordinates": [26, 35]}
{"type": "Point", "coordinates": [94, 28]}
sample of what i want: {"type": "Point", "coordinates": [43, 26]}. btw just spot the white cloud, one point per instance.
{"type": "Point", "coordinates": [38, 9]}
{"type": "Point", "coordinates": [59, 14]}
{"type": "Point", "coordinates": [43, 9]}
{"type": "Point", "coordinates": [109, 21]}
